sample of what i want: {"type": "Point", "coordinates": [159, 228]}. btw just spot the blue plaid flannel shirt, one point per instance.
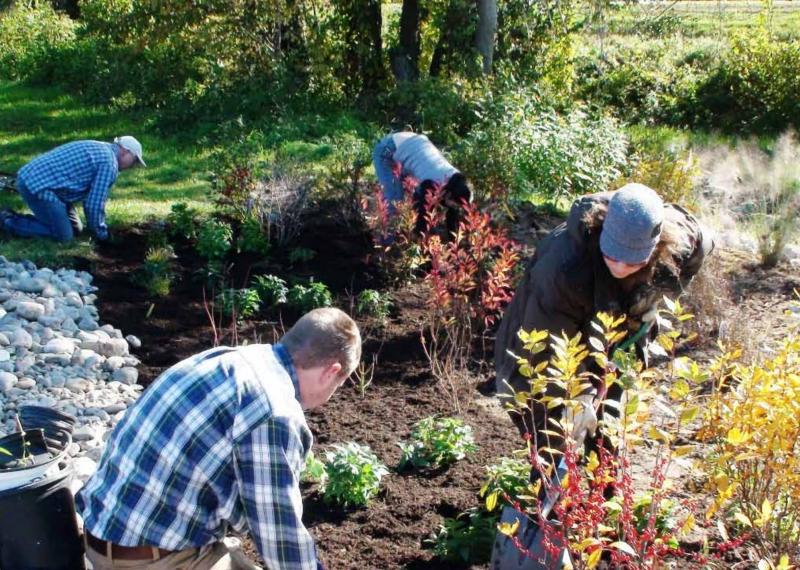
{"type": "Point", "coordinates": [74, 172]}
{"type": "Point", "coordinates": [218, 439]}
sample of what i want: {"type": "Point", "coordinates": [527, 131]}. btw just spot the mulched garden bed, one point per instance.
{"type": "Point", "coordinates": [391, 532]}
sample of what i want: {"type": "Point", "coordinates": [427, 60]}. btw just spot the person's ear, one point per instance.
{"type": "Point", "coordinates": [331, 374]}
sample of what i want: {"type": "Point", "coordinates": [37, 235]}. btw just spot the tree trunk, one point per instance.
{"type": "Point", "coordinates": [364, 52]}
{"type": "Point", "coordinates": [454, 48]}
{"type": "Point", "coordinates": [405, 58]}
{"type": "Point", "coordinates": [485, 34]}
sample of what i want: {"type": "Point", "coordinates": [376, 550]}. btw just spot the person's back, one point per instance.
{"type": "Point", "coordinates": [177, 486]}
{"type": "Point", "coordinates": [69, 169]}
{"type": "Point", "coordinates": [421, 159]}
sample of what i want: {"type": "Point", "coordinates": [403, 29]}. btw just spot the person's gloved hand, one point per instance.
{"type": "Point", "coordinates": [583, 417]}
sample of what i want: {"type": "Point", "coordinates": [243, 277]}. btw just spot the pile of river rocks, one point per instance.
{"type": "Point", "coordinates": [54, 352]}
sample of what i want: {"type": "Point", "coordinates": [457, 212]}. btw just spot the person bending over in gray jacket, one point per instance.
{"type": "Point", "coordinates": [402, 154]}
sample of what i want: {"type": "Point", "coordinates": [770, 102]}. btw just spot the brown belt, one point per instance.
{"type": "Point", "coordinates": [119, 552]}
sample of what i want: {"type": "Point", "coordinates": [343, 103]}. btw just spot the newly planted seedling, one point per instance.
{"type": "Point", "coordinates": [373, 303]}
{"type": "Point", "coordinates": [271, 289]}
{"type": "Point", "coordinates": [304, 298]}
{"type": "Point", "coordinates": [354, 475]}
{"type": "Point", "coordinates": [241, 303]}
{"type": "Point", "coordinates": [437, 442]}
{"type": "Point", "coordinates": [214, 240]}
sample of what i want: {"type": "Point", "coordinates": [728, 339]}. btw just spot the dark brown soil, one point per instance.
{"type": "Point", "coordinates": [391, 532]}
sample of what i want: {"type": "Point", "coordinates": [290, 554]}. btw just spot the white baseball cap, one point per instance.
{"type": "Point", "coordinates": [131, 145]}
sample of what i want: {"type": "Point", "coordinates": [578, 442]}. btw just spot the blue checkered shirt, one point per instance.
{"type": "Point", "coordinates": [81, 171]}
{"type": "Point", "coordinates": [218, 440]}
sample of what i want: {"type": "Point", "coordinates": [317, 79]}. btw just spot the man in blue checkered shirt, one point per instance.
{"type": "Point", "coordinates": [218, 442]}
{"type": "Point", "coordinates": [52, 183]}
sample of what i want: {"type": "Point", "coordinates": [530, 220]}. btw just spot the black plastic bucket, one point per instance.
{"type": "Point", "coordinates": [38, 526]}
{"type": "Point", "coordinates": [57, 425]}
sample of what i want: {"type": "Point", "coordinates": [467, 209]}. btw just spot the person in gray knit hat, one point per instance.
{"type": "Point", "coordinates": [619, 253]}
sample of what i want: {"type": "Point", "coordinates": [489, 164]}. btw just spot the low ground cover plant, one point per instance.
{"type": "Point", "coordinates": [272, 290]}
{"type": "Point", "coordinates": [238, 303]}
{"type": "Point", "coordinates": [313, 470]}
{"type": "Point", "coordinates": [373, 303]}
{"type": "Point", "coordinates": [182, 222]}
{"type": "Point", "coordinates": [214, 240]}
{"type": "Point", "coordinates": [465, 539]}
{"type": "Point", "coordinates": [156, 274]}
{"type": "Point", "coordinates": [354, 475]}
{"type": "Point", "coordinates": [437, 442]}
{"type": "Point", "coordinates": [304, 298]}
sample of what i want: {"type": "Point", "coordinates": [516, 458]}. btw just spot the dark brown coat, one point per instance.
{"type": "Point", "coordinates": [567, 282]}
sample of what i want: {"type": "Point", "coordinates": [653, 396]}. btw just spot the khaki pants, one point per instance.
{"type": "Point", "coordinates": [224, 555]}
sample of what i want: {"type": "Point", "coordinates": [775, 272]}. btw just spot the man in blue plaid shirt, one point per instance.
{"type": "Point", "coordinates": [218, 442]}
{"type": "Point", "coordinates": [52, 183]}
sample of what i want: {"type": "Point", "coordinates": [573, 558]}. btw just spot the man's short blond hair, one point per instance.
{"type": "Point", "coordinates": [322, 337]}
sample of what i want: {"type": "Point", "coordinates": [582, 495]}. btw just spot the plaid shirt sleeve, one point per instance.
{"type": "Point", "coordinates": [269, 461]}
{"type": "Point", "coordinates": [95, 203]}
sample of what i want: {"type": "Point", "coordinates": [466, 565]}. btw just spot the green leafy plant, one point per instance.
{"type": "Point", "coordinates": [301, 255]}
{"type": "Point", "coordinates": [214, 240]}
{"type": "Point", "coordinates": [313, 470]}
{"type": "Point", "coordinates": [241, 303]}
{"type": "Point", "coordinates": [437, 442]}
{"type": "Point", "coordinates": [252, 237]}
{"type": "Point", "coordinates": [354, 475]}
{"type": "Point", "coordinates": [182, 222]}
{"type": "Point", "coordinates": [467, 538]}
{"type": "Point", "coordinates": [271, 289]}
{"type": "Point", "coordinates": [156, 274]}
{"type": "Point", "coordinates": [374, 304]}
{"type": "Point", "coordinates": [508, 478]}
{"type": "Point", "coordinates": [304, 298]}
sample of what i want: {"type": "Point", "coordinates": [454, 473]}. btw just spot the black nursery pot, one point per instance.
{"type": "Point", "coordinates": [38, 527]}
{"type": "Point", "coordinates": [32, 445]}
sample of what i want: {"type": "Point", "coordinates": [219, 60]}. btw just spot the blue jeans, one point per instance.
{"type": "Point", "coordinates": [49, 219]}
{"type": "Point", "coordinates": [383, 159]}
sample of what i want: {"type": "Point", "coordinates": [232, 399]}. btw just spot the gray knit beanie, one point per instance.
{"type": "Point", "coordinates": [632, 226]}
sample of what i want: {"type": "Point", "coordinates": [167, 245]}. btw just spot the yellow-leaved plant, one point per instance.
{"type": "Point", "coordinates": [753, 424]}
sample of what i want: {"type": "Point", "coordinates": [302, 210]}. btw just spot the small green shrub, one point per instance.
{"type": "Point", "coordinates": [509, 478]}
{"type": "Point", "coordinates": [437, 442]}
{"type": "Point", "coordinates": [182, 222]}
{"type": "Point", "coordinates": [271, 289]}
{"type": "Point", "coordinates": [468, 538]}
{"type": "Point", "coordinates": [524, 151]}
{"type": "Point", "coordinates": [304, 298]}
{"type": "Point", "coordinates": [354, 475]}
{"type": "Point", "coordinates": [214, 240]}
{"type": "Point", "coordinates": [241, 303]}
{"type": "Point", "coordinates": [373, 303]}
{"type": "Point", "coordinates": [758, 83]}
{"type": "Point", "coordinates": [252, 237]}
{"type": "Point", "coordinates": [27, 31]}
{"type": "Point", "coordinates": [156, 274]}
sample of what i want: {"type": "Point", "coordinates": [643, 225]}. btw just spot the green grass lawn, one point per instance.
{"type": "Point", "coordinates": [704, 18]}
{"type": "Point", "coordinates": [34, 120]}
